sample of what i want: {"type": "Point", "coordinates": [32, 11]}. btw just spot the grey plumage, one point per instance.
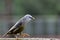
{"type": "Point", "coordinates": [19, 26]}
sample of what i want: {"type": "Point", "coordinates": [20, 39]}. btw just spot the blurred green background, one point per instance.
{"type": "Point", "coordinates": [46, 12]}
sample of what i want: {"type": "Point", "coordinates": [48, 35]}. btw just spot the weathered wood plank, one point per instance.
{"type": "Point", "coordinates": [29, 39]}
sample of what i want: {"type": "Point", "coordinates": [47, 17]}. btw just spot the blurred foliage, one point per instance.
{"type": "Point", "coordinates": [36, 7]}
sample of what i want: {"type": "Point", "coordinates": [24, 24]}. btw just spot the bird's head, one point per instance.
{"type": "Point", "coordinates": [28, 18]}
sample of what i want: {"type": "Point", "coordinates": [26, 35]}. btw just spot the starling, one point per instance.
{"type": "Point", "coordinates": [19, 26]}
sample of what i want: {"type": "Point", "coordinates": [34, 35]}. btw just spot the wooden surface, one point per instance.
{"type": "Point", "coordinates": [29, 39]}
{"type": "Point", "coordinates": [40, 37]}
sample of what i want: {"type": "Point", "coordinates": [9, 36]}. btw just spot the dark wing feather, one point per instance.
{"type": "Point", "coordinates": [16, 28]}
{"type": "Point", "coordinates": [13, 28]}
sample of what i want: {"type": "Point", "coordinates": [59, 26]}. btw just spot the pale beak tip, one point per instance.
{"type": "Point", "coordinates": [33, 18]}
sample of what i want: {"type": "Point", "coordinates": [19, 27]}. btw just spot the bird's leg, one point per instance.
{"type": "Point", "coordinates": [16, 37]}
{"type": "Point", "coordinates": [20, 33]}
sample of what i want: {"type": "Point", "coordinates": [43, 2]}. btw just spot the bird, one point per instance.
{"type": "Point", "coordinates": [19, 25]}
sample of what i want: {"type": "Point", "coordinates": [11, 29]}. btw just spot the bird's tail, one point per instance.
{"type": "Point", "coordinates": [4, 35]}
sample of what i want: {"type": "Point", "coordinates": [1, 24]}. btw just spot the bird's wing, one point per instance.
{"type": "Point", "coordinates": [14, 27]}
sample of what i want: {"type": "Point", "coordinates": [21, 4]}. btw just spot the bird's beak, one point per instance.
{"type": "Point", "coordinates": [33, 18]}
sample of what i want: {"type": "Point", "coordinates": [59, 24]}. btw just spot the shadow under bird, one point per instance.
{"type": "Point", "coordinates": [19, 26]}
